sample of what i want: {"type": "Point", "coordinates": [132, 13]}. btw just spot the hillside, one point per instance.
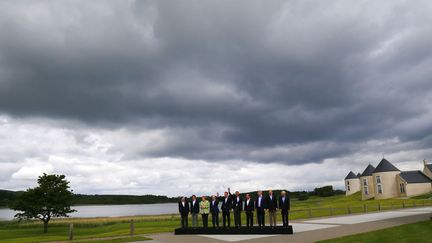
{"type": "Point", "coordinates": [80, 199]}
{"type": "Point", "coordinates": [6, 197]}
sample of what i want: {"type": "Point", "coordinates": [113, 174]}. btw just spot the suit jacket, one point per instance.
{"type": "Point", "coordinates": [237, 206]}
{"type": "Point", "coordinates": [226, 207]}
{"type": "Point", "coordinates": [194, 208]}
{"type": "Point", "coordinates": [249, 207]}
{"type": "Point", "coordinates": [214, 208]}
{"type": "Point", "coordinates": [284, 205]}
{"type": "Point", "coordinates": [184, 210]}
{"type": "Point", "coordinates": [271, 204]}
{"type": "Point", "coordinates": [262, 205]}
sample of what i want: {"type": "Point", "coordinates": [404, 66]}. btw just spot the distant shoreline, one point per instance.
{"type": "Point", "coordinates": [122, 204]}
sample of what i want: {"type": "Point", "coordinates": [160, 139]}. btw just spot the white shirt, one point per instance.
{"type": "Point", "coordinates": [183, 204]}
{"type": "Point", "coordinates": [271, 197]}
{"type": "Point", "coordinates": [238, 198]}
{"type": "Point", "coordinates": [247, 202]}
{"type": "Point", "coordinates": [226, 199]}
{"type": "Point", "coordinates": [193, 203]}
{"type": "Point", "coordinates": [283, 199]}
{"type": "Point", "coordinates": [213, 202]}
{"type": "Point", "coordinates": [259, 201]}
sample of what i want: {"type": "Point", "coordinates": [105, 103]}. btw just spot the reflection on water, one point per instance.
{"type": "Point", "coordinates": [111, 210]}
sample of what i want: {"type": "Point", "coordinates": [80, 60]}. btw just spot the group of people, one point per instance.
{"type": "Point", "coordinates": [237, 204]}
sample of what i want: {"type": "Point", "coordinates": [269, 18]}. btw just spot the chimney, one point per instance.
{"type": "Point", "coordinates": [425, 162]}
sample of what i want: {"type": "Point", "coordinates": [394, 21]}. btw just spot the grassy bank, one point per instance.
{"type": "Point", "coordinates": [109, 227]}
{"type": "Point", "coordinates": [416, 232]}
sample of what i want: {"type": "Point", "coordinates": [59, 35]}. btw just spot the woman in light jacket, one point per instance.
{"type": "Point", "coordinates": [204, 210]}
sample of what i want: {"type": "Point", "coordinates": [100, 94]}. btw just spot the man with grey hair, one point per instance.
{"type": "Point", "coordinates": [284, 206]}
{"type": "Point", "coordinates": [184, 212]}
{"type": "Point", "coordinates": [237, 202]}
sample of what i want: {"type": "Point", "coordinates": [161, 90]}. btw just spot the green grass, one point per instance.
{"type": "Point", "coordinates": [424, 196]}
{"type": "Point", "coordinates": [119, 240]}
{"type": "Point", "coordinates": [417, 232]}
{"type": "Point", "coordinates": [339, 205]}
{"type": "Point", "coordinates": [87, 228]}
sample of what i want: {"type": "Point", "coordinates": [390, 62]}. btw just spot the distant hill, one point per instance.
{"type": "Point", "coordinates": [80, 199]}
{"type": "Point", "coordinates": [6, 197]}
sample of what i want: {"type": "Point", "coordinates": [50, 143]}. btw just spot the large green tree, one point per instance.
{"type": "Point", "coordinates": [50, 199]}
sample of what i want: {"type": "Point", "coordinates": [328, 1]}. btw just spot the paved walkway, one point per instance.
{"type": "Point", "coordinates": [314, 229]}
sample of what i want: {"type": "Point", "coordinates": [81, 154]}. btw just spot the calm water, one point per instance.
{"type": "Point", "coordinates": [111, 210]}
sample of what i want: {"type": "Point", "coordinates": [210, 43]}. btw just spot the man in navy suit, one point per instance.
{"type": "Point", "coordinates": [249, 209]}
{"type": "Point", "coordinates": [214, 210]}
{"type": "Point", "coordinates": [194, 210]}
{"type": "Point", "coordinates": [226, 208]}
{"type": "Point", "coordinates": [284, 206]}
{"type": "Point", "coordinates": [260, 206]}
{"type": "Point", "coordinates": [238, 207]}
{"type": "Point", "coordinates": [184, 212]}
{"type": "Point", "coordinates": [271, 205]}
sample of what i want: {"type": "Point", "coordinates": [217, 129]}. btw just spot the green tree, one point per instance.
{"type": "Point", "coordinates": [51, 198]}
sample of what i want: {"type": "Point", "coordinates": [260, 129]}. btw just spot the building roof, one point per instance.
{"type": "Point", "coordinates": [385, 166]}
{"type": "Point", "coordinates": [415, 176]}
{"type": "Point", "coordinates": [368, 171]}
{"type": "Point", "coordinates": [351, 175]}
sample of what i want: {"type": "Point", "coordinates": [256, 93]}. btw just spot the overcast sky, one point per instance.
{"type": "Point", "coordinates": [182, 97]}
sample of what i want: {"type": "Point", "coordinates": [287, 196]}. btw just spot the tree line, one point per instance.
{"type": "Point", "coordinates": [7, 197]}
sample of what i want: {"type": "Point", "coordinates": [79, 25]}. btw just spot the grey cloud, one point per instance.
{"type": "Point", "coordinates": [281, 81]}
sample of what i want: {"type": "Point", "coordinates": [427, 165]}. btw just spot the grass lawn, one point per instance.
{"type": "Point", "coordinates": [87, 228]}
{"type": "Point", "coordinates": [417, 232]}
{"type": "Point", "coordinates": [120, 240]}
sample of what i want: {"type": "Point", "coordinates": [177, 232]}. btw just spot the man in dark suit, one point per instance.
{"type": "Point", "coordinates": [249, 209]}
{"type": "Point", "coordinates": [271, 205]}
{"type": "Point", "coordinates": [284, 206]}
{"type": "Point", "coordinates": [237, 206]}
{"type": "Point", "coordinates": [260, 207]}
{"type": "Point", "coordinates": [194, 209]}
{"type": "Point", "coordinates": [226, 208]}
{"type": "Point", "coordinates": [214, 210]}
{"type": "Point", "coordinates": [184, 212]}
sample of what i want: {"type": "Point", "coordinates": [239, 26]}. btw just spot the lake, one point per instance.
{"type": "Point", "coordinates": [111, 210]}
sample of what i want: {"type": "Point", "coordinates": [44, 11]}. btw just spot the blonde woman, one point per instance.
{"type": "Point", "coordinates": [204, 210]}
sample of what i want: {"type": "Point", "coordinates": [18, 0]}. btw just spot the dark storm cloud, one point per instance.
{"type": "Point", "coordinates": [285, 81]}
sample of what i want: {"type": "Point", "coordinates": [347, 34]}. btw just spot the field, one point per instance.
{"type": "Point", "coordinates": [112, 227]}
{"type": "Point", "coordinates": [417, 232]}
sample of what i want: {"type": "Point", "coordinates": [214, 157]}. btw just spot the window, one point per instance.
{"type": "Point", "coordinates": [379, 189]}
{"type": "Point", "coordinates": [347, 182]}
{"type": "Point", "coordinates": [378, 179]}
{"type": "Point", "coordinates": [402, 188]}
{"type": "Point", "coordinates": [348, 188]}
{"type": "Point", "coordinates": [366, 190]}
{"type": "Point", "coordinates": [365, 182]}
